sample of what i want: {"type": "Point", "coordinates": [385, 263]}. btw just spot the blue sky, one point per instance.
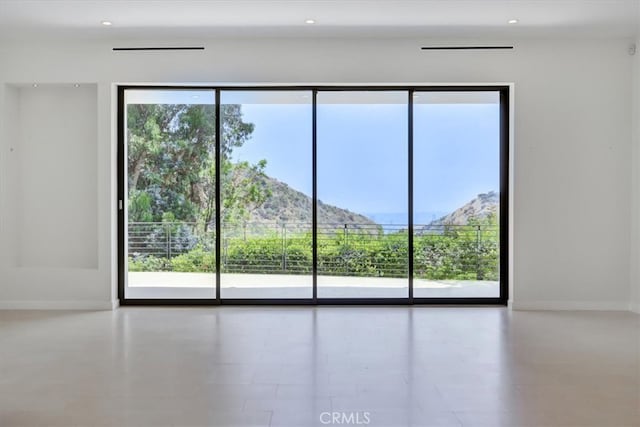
{"type": "Point", "coordinates": [362, 145]}
{"type": "Point", "coordinates": [362, 153]}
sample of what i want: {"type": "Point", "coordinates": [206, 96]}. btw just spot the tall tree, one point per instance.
{"type": "Point", "coordinates": [171, 163]}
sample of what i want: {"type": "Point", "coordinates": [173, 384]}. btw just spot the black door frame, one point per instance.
{"type": "Point", "coordinates": [504, 92]}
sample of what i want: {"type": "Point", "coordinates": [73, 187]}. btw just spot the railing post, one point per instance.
{"type": "Point", "coordinates": [284, 247]}
{"type": "Point", "coordinates": [225, 252]}
{"type": "Point", "coordinates": [168, 230]}
{"type": "Point", "coordinates": [346, 245]}
{"type": "Point", "coordinates": [346, 234]}
{"type": "Point", "coordinates": [478, 271]}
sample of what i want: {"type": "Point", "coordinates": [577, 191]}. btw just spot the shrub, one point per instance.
{"type": "Point", "coordinates": [148, 263]}
{"type": "Point", "coordinates": [452, 255]}
{"type": "Point", "coordinates": [195, 261]}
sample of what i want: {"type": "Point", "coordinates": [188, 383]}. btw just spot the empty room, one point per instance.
{"type": "Point", "coordinates": [264, 213]}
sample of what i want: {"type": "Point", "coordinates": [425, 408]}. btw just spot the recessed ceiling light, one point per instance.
{"type": "Point", "coordinates": [310, 21]}
{"type": "Point", "coordinates": [513, 21]}
{"type": "Point", "coordinates": [76, 85]}
{"type": "Point", "coordinates": [106, 23]}
{"type": "Point", "coordinates": [35, 85]}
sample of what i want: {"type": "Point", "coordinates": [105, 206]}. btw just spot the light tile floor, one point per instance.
{"type": "Point", "coordinates": [299, 366]}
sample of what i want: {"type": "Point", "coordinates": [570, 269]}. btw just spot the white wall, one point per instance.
{"type": "Point", "coordinates": [49, 198]}
{"type": "Point", "coordinates": [8, 174]}
{"type": "Point", "coordinates": [572, 137]}
{"type": "Point", "coordinates": [635, 189]}
{"type": "Point", "coordinates": [56, 184]}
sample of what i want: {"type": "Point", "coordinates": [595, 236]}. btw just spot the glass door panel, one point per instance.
{"type": "Point", "coordinates": [362, 169]}
{"type": "Point", "coordinates": [266, 246]}
{"type": "Point", "coordinates": [456, 164]}
{"type": "Point", "coordinates": [170, 190]}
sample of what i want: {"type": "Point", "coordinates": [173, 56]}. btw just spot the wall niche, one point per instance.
{"type": "Point", "coordinates": [51, 133]}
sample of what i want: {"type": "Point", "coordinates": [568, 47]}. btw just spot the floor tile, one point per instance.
{"type": "Point", "coordinates": [296, 366]}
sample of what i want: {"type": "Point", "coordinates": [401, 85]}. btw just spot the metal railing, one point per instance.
{"type": "Point", "coordinates": [351, 249]}
{"type": "Point", "coordinates": [167, 239]}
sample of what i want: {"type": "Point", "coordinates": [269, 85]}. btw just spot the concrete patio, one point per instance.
{"type": "Point", "coordinates": [202, 285]}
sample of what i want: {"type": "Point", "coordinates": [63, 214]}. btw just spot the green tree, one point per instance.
{"type": "Point", "coordinates": [172, 168]}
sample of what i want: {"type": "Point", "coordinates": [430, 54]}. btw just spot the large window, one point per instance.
{"type": "Point", "coordinates": [362, 194]}
{"type": "Point", "coordinates": [313, 194]}
{"type": "Point", "coordinates": [266, 194]}
{"type": "Point", "coordinates": [170, 192]}
{"type": "Point", "coordinates": [456, 187]}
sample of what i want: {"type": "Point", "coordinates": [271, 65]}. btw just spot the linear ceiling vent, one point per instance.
{"type": "Point", "coordinates": [147, 49]}
{"type": "Point", "coordinates": [467, 47]}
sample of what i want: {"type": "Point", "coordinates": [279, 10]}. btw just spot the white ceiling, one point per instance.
{"type": "Point", "coordinates": [35, 19]}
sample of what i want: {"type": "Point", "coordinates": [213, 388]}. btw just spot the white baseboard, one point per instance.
{"type": "Point", "coordinates": [59, 305]}
{"type": "Point", "coordinates": [571, 305]}
{"type": "Point", "coordinates": [515, 305]}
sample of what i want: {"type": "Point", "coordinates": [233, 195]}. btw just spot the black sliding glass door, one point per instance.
{"type": "Point", "coordinates": [266, 192]}
{"type": "Point", "coordinates": [168, 208]}
{"type": "Point", "coordinates": [362, 194]}
{"type": "Point", "coordinates": [456, 194]}
{"type": "Point", "coordinates": [313, 194]}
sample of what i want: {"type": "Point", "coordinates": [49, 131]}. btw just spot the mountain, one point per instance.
{"type": "Point", "coordinates": [291, 206]}
{"type": "Point", "coordinates": [481, 206]}
{"type": "Point", "coordinates": [287, 205]}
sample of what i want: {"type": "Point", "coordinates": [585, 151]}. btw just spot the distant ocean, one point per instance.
{"type": "Point", "coordinates": [396, 220]}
